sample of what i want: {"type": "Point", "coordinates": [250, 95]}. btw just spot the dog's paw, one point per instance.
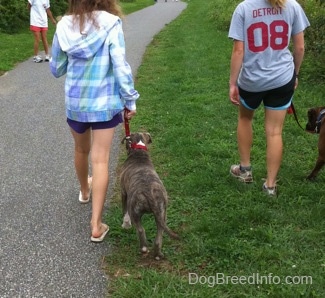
{"type": "Point", "coordinates": [144, 249]}
{"type": "Point", "coordinates": [126, 222]}
{"type": "Point", "coordinates": [311, 178]}
{"type": "Point", "coordinates": [159, 256]}
{"type": "Point", "coordinates": [126, 225]}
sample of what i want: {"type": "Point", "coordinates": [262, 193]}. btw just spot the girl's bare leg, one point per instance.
{"type": "Point", "coordinates": [245, 135]}
{"type": "Point", "coordinates": [37, 37]}
{"type": "Point", "coordinates": [274, 120]}
{"type": "Point", "coordinates": [100, 152]}
{"type": "Point", "coordinates": [81, 153]}
{"type": "Point", "coordinates": [44, 41]}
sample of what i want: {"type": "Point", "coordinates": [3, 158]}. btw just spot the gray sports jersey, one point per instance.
{"type": "Point", "coordinates": [266, 33]}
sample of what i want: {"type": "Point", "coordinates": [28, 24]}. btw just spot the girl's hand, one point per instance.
{"type": "Point", "coordinates": [130, 114]}
{"type": "Point", "coordinates": [296, 83]}
{"type": "Point", "coordinates": [234, 95]}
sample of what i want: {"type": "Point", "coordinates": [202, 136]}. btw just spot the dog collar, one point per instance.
{"type": "Point", "coordinates": [140, 145]}
{"type": "Point", "coordinates": [319, 120]}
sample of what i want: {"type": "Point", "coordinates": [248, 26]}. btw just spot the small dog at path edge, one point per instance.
{"type": "Point", "coordinates": [142, 192]}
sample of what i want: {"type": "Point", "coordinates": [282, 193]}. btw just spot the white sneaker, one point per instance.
{"type": "Point", "coordinates": [37, 59]}
{"type": "Point", "coordinates": [47, 58]}
{"type": "Point", "coordinates": [271, 191]}
{"type": "Point", "coordinates": [245, 176]}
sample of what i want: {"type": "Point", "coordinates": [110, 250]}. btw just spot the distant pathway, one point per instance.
{"type": "Point", "coordinates": [44, 232]}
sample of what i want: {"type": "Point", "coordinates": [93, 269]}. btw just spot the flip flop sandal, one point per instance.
{"type": "Point", "coordinates": [100, 238]}
{"type": "Point", "coordinates": [81, 199]}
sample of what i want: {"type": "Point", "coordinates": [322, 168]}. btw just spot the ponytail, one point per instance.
{"type": "Point", "coordinates": [277, 3]}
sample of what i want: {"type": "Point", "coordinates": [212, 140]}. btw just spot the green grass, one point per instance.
{"type": "Point", "coordinates": [129, 7]}
{"type": "Point", "coordinates": [17, 48]}
{"type": "Point", "coordinates": [226, 227]}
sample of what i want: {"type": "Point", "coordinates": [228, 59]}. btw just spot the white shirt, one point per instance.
{"type": "Point", "coordinates": [38, 15]}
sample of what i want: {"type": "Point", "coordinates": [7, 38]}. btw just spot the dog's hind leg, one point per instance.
{"type": "Point", "coordinates": [124, 201]}
{"type": "Point", "coordinates": [158, 242]}
{"type": "Point", "coordinates": [136, 220]}
{"type": "Point", "coordinates": [321, 156]}
{"type": "Point", "coordinates": [126, 219]}
{"type": "Point", "coordinates": [319, 164]}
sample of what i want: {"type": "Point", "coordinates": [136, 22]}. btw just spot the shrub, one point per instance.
{"type": "Point", "coordinates": [314, 65]}
{"type": "Point", "coordinates": [14, 15]}
{"type": "Point", "coordinates": [221, 12]}
{"type": "Point", "coordinates": [59, 7]}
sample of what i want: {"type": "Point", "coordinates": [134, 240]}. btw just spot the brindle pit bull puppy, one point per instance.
{"type": "Point", "coordinates": [316, 119]}
{"type": "Point", "coordinates": [142, 192]}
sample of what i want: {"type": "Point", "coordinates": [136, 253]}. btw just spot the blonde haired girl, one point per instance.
{"type": "Point", "coordinates": [82, 10]}
{"type": "Point", "coordinates": [263, 70]}
{"type": "Point", "coordinates": [279, 3]}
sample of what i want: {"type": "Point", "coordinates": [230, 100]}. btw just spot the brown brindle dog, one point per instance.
{"type": "Point", "coordinates": [142, 192]}
{"type": "Point", "coordinates": [315, 124]}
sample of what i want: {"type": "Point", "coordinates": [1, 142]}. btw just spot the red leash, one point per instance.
{"type": "Point", "coordinates": [126, 124]}
{"type": "Point", "coordinates": [292, 110]}
{"type": "Point", "coordinates": [127, 133]}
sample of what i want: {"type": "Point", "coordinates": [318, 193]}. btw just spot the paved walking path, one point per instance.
{"type": "Point", "coordinates": [44, 232]}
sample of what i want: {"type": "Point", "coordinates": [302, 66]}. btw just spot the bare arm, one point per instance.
{"type": "Point", "coordinates": [235, 66]}
{"type": "Point", "coordinates": [298, 50]}
{"type": "Point", "coordinates": [49, 14]}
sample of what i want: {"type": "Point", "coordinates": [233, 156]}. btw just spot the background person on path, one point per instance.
{"type": "Point", "coordinates": [89, 48]}
{"type": "Point", "coordinates": [264, 70]}
{"type": "Point", "coordinates": [39, 11]}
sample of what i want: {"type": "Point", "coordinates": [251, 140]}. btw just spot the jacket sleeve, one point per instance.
{"type": "Point", "coordinates": [122, 70]}
{"type": "Point", "coordinates": [59, 60]}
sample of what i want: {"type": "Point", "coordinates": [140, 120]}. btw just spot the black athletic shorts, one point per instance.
{"type": "Point", "coordinates": [275, 99]}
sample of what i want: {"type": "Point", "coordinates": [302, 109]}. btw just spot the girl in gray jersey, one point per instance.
{"type": "Point", "coordinates": [264, 70]}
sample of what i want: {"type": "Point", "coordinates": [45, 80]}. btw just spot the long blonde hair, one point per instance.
{"type": "Point", "coordinates": [277, 3]}
{"type": "Point", "coordinates": [82, 10]}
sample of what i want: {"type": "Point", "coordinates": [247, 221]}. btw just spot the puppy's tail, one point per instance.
{"type": "Point", "coordinates": [168, 231]}
{"type": "Point", "coordinates": [171, 234]}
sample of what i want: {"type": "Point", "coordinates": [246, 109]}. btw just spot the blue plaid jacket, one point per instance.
{"type": "Point", "coordinates": [99, 80]}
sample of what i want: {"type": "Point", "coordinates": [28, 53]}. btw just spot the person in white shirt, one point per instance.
{"type": "Point", "coordinates": [39, 13]}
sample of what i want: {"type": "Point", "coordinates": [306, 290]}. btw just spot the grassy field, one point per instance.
{"type": "Point", "coordinates": [228, 229]}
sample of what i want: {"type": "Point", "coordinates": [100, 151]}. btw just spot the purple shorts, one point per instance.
{"type": "Point", "coordinates": [81, 127]}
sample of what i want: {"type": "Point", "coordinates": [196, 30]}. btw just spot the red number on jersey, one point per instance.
{"type": "Point", "coordinates": [275, 36]}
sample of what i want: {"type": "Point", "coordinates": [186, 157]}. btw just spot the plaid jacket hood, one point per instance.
{"type": "Point", "coordinates": [86, 44]}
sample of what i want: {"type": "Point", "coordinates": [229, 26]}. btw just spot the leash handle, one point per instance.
{"type": "Point", "coordinates": [126, 123]}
